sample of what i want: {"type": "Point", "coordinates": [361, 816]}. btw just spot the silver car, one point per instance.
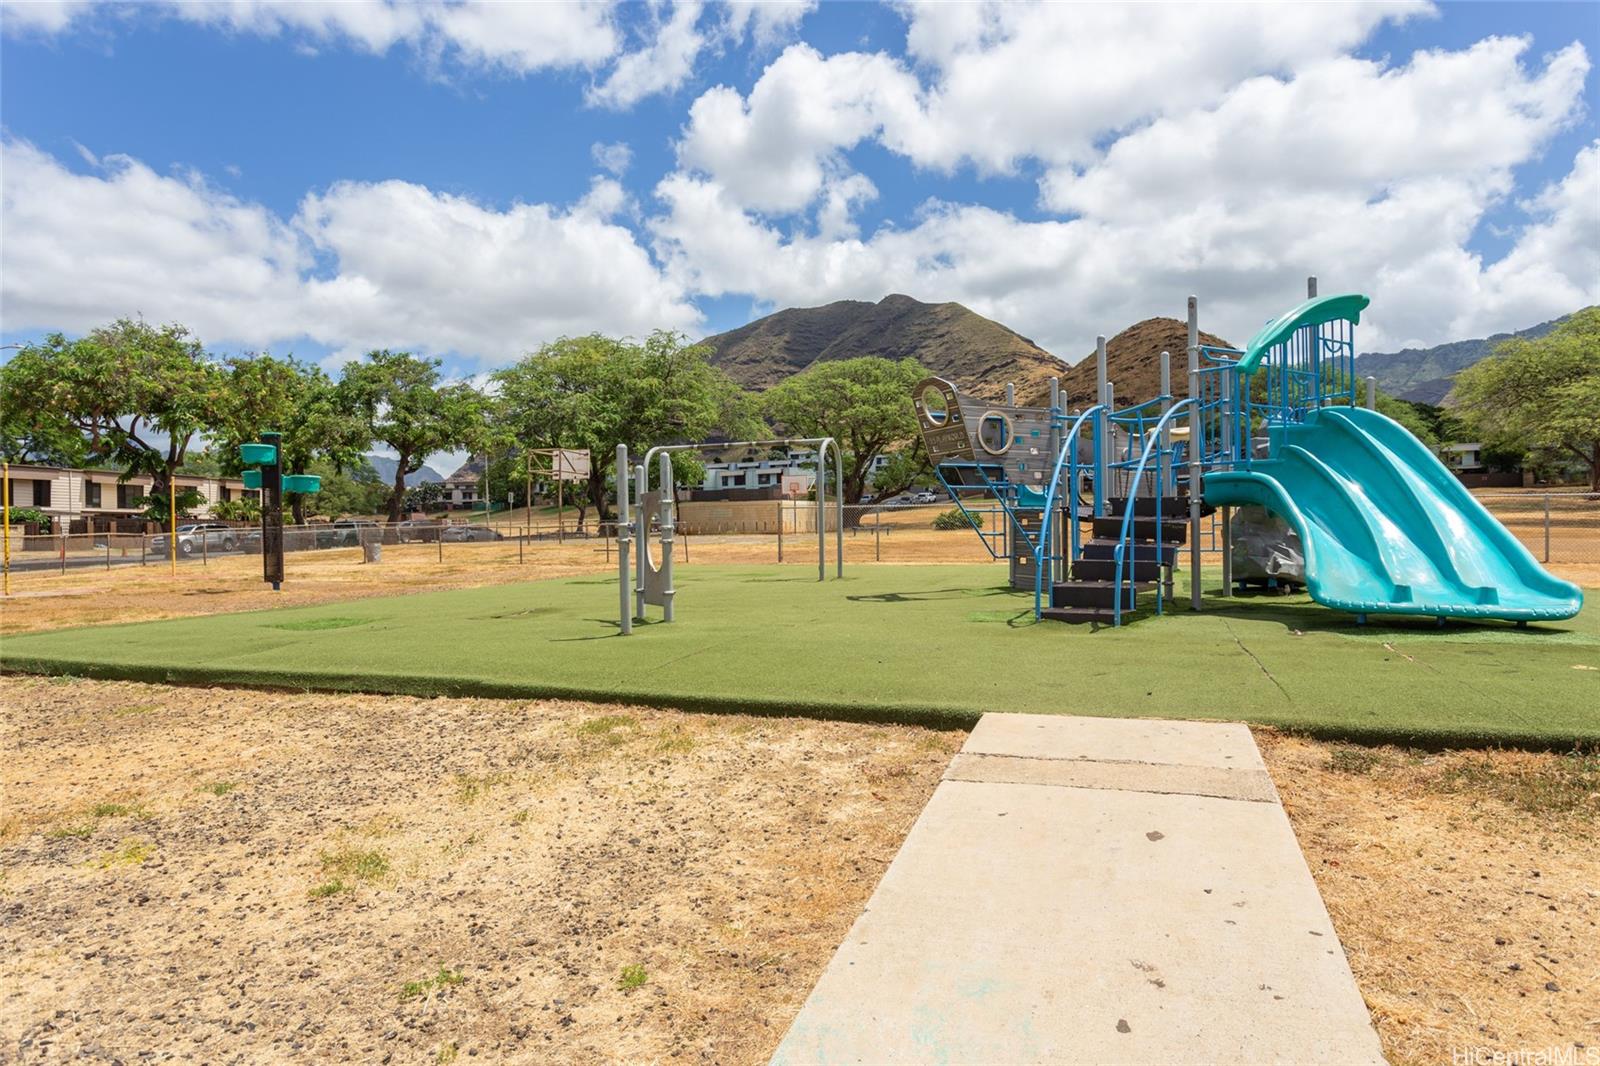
{"type": "Point", "coordinates": [198, 537]}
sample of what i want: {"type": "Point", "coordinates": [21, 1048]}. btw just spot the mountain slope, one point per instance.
{"type": "Point", "coordinates": [977, 354]}
{"type": "Point", "coordinates": [383, 466]}
{"type": "Point", "coordinates": [1426, 374]}
{"type": "Point", "coordinates": [1133, 364]}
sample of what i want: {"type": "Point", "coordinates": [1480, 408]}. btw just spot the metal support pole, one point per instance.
{"type": "Point", "coordinates": [624, 614]}
{"type": "Point", "coordinates": [1311, 287]}
{"type": "Point", "coordinates": [1227, 551]}
{"type": "Point", "coordinates": [1101, 423]}
{"type": "Point", "coordinates": [877, 537]}
{"type": "Point", "coordinates": [641, 539]}
{"type": "Point", "coordinates": [5, 506]}
{"type": "Point", "coordinates": [838, 504]}
{"type": "Point", "coordinates": [780, 531]}
{"type": "Point", "coordinates": [1372, 393]}
{"type": "Point", "coordinates": [172, 529]}
{"type": "Point", "coordinates": [1195, 482]}
{"type": "Point", "coordinates": [665, 486]}
{"type": "Point", "coordinates": [521, 540]}
{"type": "Point", "coordinates": [205, 548]}
{"type": "Point", "coordinates": [1011, 394]}
{"type": "Point", "coordinates": [1547, 527]}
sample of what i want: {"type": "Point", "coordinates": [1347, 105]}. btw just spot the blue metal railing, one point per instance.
{"type": "Point", "coordinates": [1042, 555]}
{"type": "Point", "coordinates": [1125, 536]}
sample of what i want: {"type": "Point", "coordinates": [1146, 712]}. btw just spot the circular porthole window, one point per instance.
{"type": "Point", "coordinates": [934, 406]}
{"type": "Point", "coordinates": [994, 433]}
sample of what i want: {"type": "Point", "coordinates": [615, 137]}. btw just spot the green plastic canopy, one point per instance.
{"type": "Point", "coordinates": [1346, 306]}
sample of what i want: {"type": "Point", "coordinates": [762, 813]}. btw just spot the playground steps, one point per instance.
{"type": "Point", "coordinates": [1092, 593]}
{"type": "Point", "coordinates": [1172, 507]}
{"type": "Point", "coordinates": [1167, 530]}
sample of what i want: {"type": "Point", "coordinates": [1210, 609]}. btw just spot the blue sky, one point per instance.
{"type": "Point", "coordinates": [328, 187]}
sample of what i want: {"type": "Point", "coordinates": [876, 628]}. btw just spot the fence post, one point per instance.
{"type": "Point", "coordinates": [780, 531]}
{"type": "Point", "coordinates": [63, 553]}
{"type": "Point", "coordinates": [205, 548]}
{"type": "Point", "coordinates": [439, 537]}
{"type": "Point", "coordinates": [1547, 527]}
{"type": "Point", "coordinates": [108, 549]}
{"type": "Point", "coordinates": [521, 540]}
{"type": "Point", "coordinates": [877, 536]}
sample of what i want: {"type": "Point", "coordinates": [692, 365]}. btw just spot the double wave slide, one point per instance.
{"type": "Point", "coordinates": [1387, 528]}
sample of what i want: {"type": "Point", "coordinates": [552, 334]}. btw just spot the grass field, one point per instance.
{"type": "Point", "coordinates": [925, 644]}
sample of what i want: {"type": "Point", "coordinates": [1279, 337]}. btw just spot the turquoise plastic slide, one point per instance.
{"type": "Point", "coordinates": [1387, 528]}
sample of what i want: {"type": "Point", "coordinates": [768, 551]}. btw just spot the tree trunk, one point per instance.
{"type": "Point", "coordinates": [398, 496]}
{"type": "Point", "coordinates": [1594, 469]}
{"type": "Point", "coordinates": [297, 508]}
{"type": "Point", "coordinates": [597, 489]}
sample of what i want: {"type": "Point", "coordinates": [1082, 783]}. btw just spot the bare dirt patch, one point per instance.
{"type": "Point", "coordinates": [247, 876]}
{"type": "Point", "coordinates": [1464, 885]}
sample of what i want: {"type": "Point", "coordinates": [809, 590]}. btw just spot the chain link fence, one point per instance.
{"type": "Point", "coordinates": [1557, 527]}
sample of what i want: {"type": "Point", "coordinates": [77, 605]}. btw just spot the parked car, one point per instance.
{"type": "Point", "coordinates": [925, 497]}
{"type": "Point", "coordinates": [200, 537]}
{"type": "Point", "coordinates": [461, 534]}
{"type": "Point", "coordinates": [346, 532]}
{"type": "Point", "coordinates": [413, 530]}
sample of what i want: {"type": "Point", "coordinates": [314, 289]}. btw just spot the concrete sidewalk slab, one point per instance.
{"type": "Point", "coordinates": [1082, 916]}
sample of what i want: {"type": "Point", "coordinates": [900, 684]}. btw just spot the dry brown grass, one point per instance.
{"type": "Point", "coordinates": [368, 845]}
{"type": "Point", "coordinates": [1464, 885]}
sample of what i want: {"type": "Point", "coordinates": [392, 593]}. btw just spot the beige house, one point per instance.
{"type": "Point", "coordinates": [67, 495]}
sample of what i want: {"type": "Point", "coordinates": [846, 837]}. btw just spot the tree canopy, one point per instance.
{"type": "Point", "coordinates": [128, 394]}
{"type": "Point", "coordinates": [865, 405]}
{"type": "Point", "coordinates": [401, 403]}
{"type": "Point", "coordinates": [596, 392]}
{"type": "Point", "coordinates": [1541, 394]}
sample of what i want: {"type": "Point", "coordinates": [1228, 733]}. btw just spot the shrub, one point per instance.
{"type": "Point", "coordinates": [955, 519]}
{"type": "Point", "coordinates": [23, 515]}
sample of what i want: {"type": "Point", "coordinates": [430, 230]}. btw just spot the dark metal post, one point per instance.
{"type": "Point", "coordinates": [272, 512]}
{"type": "Point", "coordinates": [1195, 482]}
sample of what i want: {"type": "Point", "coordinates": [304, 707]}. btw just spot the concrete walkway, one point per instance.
{"type": "Point", "coordinates": [1092, 890]}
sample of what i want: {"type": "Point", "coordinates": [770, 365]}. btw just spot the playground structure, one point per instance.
{"type": "Point", "coordinates": [652, 582]}
{"type": "Point", "coordinates": [1384, 526]}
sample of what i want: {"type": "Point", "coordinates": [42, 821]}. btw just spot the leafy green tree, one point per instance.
{"type": "Point", "coordinates": [596, 392]}
{"type": "Point", "coordinates": [155, 507]}
{"type": "Point", "coordinates": [907, 468]}
{"type": "Point", "coordinates": [1541, 395]}
{"type": "Point", "coordinates": [354, 490]}
{"type": "Point", "coordinates": [135, 396]}
{"type": "Point", "coordinates": [426, 496]}
{"type": "Point", "coordinates": [864, 404]}
{"type": "Point", "coordinates": [402, 404]}
{"type": "Point", "coordinates": [244, 509]}
{"type": "Point", "coordinates": [317, 419]}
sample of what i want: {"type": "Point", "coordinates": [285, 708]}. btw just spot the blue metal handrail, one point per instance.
{"type": "Point", "coordinates": [1130, 508]}
{"type": "Point", "coordinates": [1068, 445]}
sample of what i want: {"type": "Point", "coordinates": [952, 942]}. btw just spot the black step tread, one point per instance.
{"type": "Point", "coordinates": [1171, 506]}
{"type": "Point", "coordinates": [1077, 614]}
{"type": "Point", "coordinates": [1097, 594]}
{"type": "Point", "coordinates": [1171, 532]}
{"type": "Point", "coordinates": [1144, 569]}
{"type": "Point", "coordinates": [1145, 550]}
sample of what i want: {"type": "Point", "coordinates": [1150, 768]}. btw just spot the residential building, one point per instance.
{"type": "Point", "coordinates": [68, 494]}
{"type": "Point", "coordinates": [464, 488]}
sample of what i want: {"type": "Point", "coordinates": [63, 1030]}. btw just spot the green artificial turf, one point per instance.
{"type": "Point", "coordinates": [931, 644]}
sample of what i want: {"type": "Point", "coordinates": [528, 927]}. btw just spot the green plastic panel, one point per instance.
{"type": "Point", "coordinates": [258, 454]}
{"type": "Point", "coordinates": [301, 483]}
{"type": "Point", "coordinates": [1347, 307]}
{"type": "Point", "coordinates": [251, 479]}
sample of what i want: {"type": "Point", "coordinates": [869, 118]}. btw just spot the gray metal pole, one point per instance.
{"type": "Point", "coordinates": [1101, 423]}
{"type": "Point", "coordinates": [624, 605]}
{"type": "Point", "coordinates": [1195, 482]}
{"type": "Point", "coordinates": [1011, 394]}
{"type": "Point", "coordinates": [822, 511]}
{"type": "Point", "coordinates": [665, 487]}
{"type": "Point", "coordinates": [1311, 287]}
{"type": "Point", "coordinates": [1372, 393]}
{"type": "Point", "coordinates": [1227, 551]}
{"type": "Point", "coordinates": [780, 531]}
{"type": "Point", "coordinates": [641, 518]}
{"type": "Point", "coordinates": [838, 504]}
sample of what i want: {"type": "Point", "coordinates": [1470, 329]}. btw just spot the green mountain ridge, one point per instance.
{"type": "Point", "coordinates": [1426, 375]}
